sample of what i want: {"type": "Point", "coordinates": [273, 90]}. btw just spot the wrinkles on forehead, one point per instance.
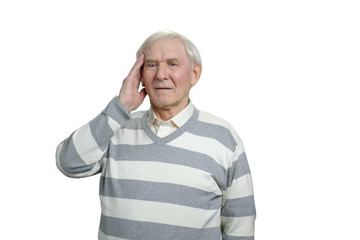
{"type": "Point", "coordinates": [160, 50]}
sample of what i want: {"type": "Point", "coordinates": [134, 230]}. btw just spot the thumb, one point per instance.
{"type": "Point", "coordinates": [142, 93]}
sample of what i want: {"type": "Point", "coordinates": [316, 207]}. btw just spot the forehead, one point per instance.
{"type": "Point", "coordinates": [166, 48]}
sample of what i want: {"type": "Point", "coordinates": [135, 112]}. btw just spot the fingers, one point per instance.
{"type": "Point", "coordinates": [138, 64]}
{"type": "Point", "coordinates": [129, 94]}
{"type": "Point", "coordinates": [134, 76]}
{"type": "Point", "coordinates": [142, 94]}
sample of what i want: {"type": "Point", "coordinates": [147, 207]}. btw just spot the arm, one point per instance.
{"type": "Point", "coordinates": [238, 211]}
{"type": "Point", "coordinates": [81, 154]}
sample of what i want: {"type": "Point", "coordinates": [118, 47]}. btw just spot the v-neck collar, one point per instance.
{"type": "Point", "coordinates": [171, 136]}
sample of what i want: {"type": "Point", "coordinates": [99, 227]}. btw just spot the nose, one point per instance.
{"type": "Point", "coordinates": [162, 72]}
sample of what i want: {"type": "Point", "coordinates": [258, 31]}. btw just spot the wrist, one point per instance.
{"type": "Point", "coordinates": [127, 106]}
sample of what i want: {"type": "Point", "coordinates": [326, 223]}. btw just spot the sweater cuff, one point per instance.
{"type": "Point", "coordinates": [117, 111]}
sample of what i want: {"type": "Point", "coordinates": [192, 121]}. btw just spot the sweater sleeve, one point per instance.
{"type": "Point", "coordinates": [81, 154]}
{"type": "Point", "coordinates": [238, 211]}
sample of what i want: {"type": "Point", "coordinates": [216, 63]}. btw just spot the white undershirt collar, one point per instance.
{"type": "Point", "coordinates": [164, 128]}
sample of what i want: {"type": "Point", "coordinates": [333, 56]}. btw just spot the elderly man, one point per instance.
{"type": "Point", "coordinates": [172, 172]}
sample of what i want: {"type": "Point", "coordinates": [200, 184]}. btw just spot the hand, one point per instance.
{"type": "Point", "coordinates": [129, 94]}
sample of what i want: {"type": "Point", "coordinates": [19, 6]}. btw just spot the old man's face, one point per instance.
{"type": "Point", "coordinates": [168, 75]}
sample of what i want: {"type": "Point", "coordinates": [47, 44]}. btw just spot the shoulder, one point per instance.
{"type": "Point", "coordinates": [223, 131]}
{"type": "Point", "coordinates": [212, 127]}
{"type": "Point", "coordinates": [135, 120]}
{"type": "Point", "coordinates": [138, 114]}
{"type": "Point", "coordinates": [208, 118]}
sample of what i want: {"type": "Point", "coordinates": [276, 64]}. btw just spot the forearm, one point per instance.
{"type": "Point", "coordinates": [80, 155]}
{"type": "Point", "coordinates": [238, 212]}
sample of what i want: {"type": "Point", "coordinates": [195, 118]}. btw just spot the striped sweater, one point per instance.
{"type": "Point", "coordinates": [192, 184]}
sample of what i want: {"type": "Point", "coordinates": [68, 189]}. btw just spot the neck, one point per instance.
{"type": "Point", "coordinates": [168, 113]}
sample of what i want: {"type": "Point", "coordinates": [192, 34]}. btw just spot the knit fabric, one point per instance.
{"type": "Point", "coordinates": [192, 184]}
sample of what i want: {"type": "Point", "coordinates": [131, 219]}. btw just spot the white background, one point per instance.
{"type": "Point", "coordinates": [284, 73]}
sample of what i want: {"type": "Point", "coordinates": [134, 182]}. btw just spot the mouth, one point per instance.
{"type": "Point", "coordinates": [162, 88]}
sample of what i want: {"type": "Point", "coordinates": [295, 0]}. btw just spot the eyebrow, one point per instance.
{"type": "Point", "coordinates": [172, 60]}
{"type": "Point", "coordinates": [150, 60]}
{"type": "Point", "coordinates": [167, 60]}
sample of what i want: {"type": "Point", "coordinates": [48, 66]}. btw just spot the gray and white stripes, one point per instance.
{"type": "Point", "coordinates": [193, 184]}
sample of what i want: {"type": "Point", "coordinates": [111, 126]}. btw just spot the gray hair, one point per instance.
{"type": "Point", "coordinates": [190, 48]}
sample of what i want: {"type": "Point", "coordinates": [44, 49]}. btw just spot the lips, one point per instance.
{"type": "Point", "coordinates": [162, 88]}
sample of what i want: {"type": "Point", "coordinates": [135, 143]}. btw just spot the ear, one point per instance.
{"type": "Point", "coordinates": [196, 73]}
{"type": "Point", "coordinates": [142, 82]}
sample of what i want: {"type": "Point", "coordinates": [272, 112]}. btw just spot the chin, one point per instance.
{"type": "Point", "coordinates": [162, 104]}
